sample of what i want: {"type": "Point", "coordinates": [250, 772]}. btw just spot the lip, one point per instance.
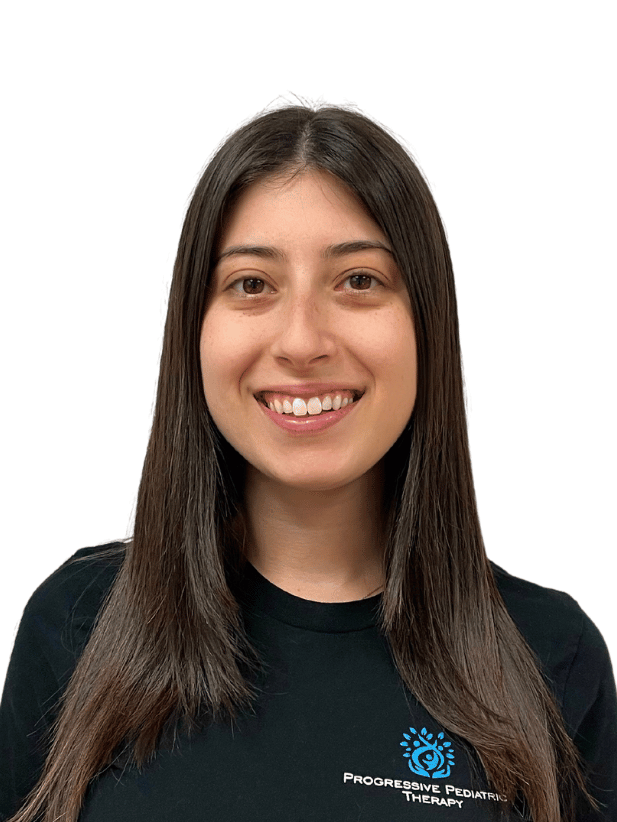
{"type": "Point", "coordinates": [302, 426]}
{"type": "Point", "coordinates": [306, 390]}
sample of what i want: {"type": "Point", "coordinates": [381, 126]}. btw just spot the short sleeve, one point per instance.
{"type": "Point", "coordinates": [27, 710]}
{"type": "Point", "coordinates": [55, 626]}
{"type": "Point", "coordinates": [591, 705]}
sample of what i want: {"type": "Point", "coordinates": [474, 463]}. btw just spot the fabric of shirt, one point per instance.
{"type": "Point", "coordinates": [333, 735]}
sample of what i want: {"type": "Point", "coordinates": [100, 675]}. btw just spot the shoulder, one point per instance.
{"type": "Point", "coordinates": [54, 629]}
{"type": "Point", "coordinates": [570, 648]}
{"type": "Point", "coordinates": [541, 614]}
{"type": "Point", "coordinates": [81, 581]}
{"type": "Point", "coordinates": [61, 612]}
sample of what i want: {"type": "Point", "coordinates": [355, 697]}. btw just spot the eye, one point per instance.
{"type": "Point", "coordinates": [251, 280]}
{"type": "Point", "coordinates": [361, 278]}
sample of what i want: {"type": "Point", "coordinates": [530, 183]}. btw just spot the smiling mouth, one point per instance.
{"type": "Point", "coordinates": [260, 396]}
{"type": "Point", "coordinates": [304, 411]}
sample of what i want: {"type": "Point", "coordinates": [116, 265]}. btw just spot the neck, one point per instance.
{"type": "Point", "coordinates": [325, 545]}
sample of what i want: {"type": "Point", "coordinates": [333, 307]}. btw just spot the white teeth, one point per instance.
{"type": "Point", "coordinates": [300, 408]}
{"type": "Point", "coordinates": [314, 407]}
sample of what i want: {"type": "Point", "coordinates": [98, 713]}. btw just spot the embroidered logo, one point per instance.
{"type": "Point", "coordinates": [426, 757]}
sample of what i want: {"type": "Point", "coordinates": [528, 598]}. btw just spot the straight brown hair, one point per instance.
{"type": "Point", "coordinates": [169, 642]}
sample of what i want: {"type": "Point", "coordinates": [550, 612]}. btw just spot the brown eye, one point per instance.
{"type": "Point", "coordinates": [361, 284]}
{"type": "Point", "coordinates": [253, 288]}
{"type": "Point", "coordinates": [362, 279]}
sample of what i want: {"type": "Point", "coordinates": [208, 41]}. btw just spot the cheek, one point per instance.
{"type": "Point", "coordinates": [395, 353]}
{"type": "Point", "coordinates": [401, 368]}
{"type": "Point", "coordinates": [228, 336]}
{"type": "Point", "coordinates": [225, 353]}
{"type": "Point", "coordinates": [212, 359]}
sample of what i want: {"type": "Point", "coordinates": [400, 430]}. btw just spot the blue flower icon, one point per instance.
{"type": "Point", "coordinates": [428, 756]}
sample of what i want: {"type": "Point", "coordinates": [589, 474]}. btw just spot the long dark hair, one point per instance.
{"type": "Point", "coordinates": [169, 640]}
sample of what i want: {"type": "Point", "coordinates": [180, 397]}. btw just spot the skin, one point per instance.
{"type": "Point", "coordinates": [312, 503]}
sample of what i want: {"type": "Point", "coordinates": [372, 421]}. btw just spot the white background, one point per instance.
{"type": "Point", "coordinates": [111, 110]}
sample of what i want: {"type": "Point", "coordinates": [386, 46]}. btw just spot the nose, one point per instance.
{"type": "Point", "coordinates": [305, 329]}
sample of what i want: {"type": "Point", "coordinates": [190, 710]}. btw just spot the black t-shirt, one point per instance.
{"type": "Point", "coordinates": [333, 735]}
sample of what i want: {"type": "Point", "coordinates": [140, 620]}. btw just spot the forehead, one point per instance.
{"type": "Point", "coordinates": [312, 206]}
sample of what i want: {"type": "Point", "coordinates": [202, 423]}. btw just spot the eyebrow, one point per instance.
{"type": "Point", "coordinates": [330, 252]}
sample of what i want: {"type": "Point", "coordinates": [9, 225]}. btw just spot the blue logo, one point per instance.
{"type": "Point", "coordinates": [426, 757]}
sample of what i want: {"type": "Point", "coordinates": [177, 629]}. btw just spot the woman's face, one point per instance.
{"type": "Point", "coordinates": [292, 313]}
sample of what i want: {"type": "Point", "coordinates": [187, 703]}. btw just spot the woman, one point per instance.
{"type": "Point", "coordinates": [305, 624]}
